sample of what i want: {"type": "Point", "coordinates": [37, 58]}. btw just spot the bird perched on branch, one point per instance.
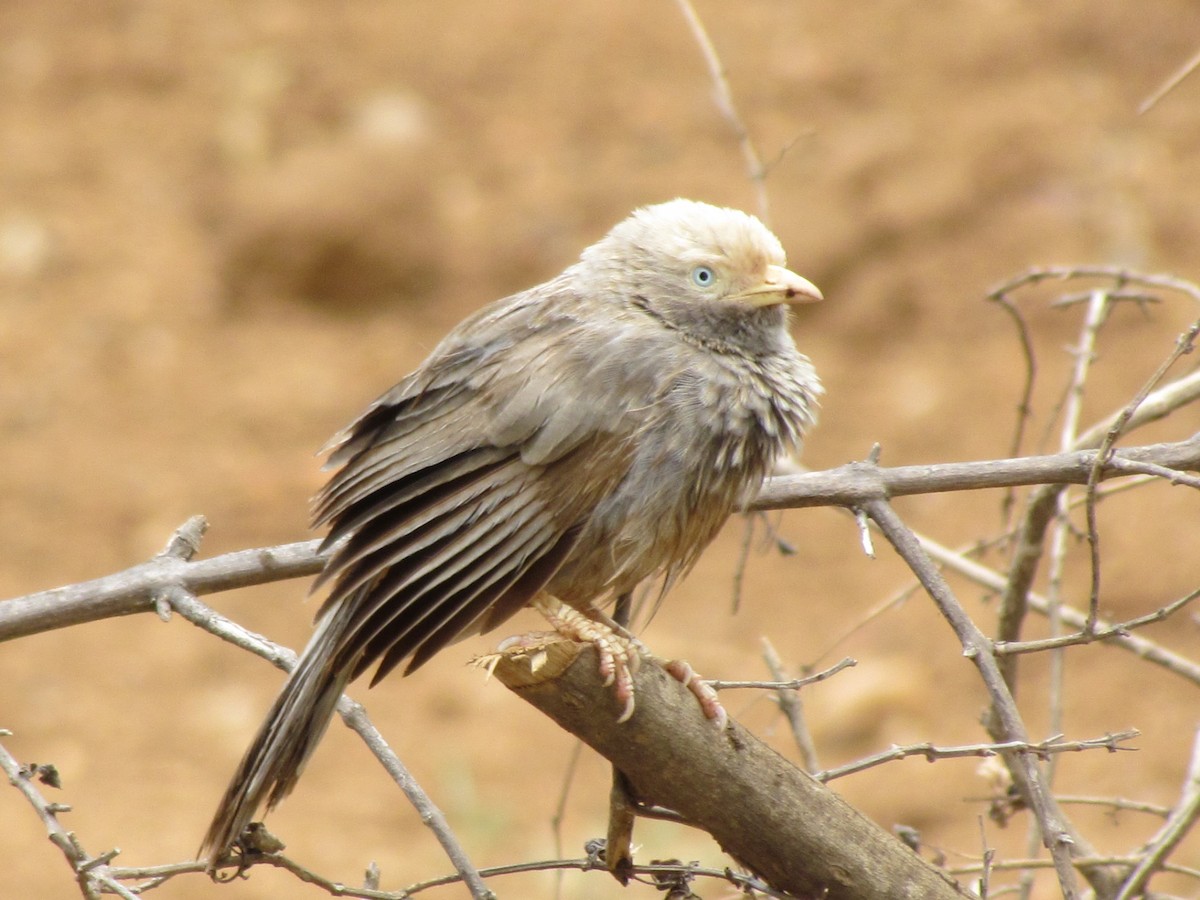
{"type": "Point", "coordinates": [556, 449]}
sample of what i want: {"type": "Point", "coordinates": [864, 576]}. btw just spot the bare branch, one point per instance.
{"type": "Point", "coordinates": [355, 717]}
{"type": "Point", "coordinates": [656, 874]}
{"type": "Point", "coordinates": [723, 97]}
{"type": "Point", "coordinates": [1025, 404]}
{"type": "Point", "coordinates": [856, 483]}
{"type": "Point", "coordinates": [91, 872]}
{"type": "Point", "coordinates": [308, 876]}
{"type": "Point", "coordinates": [1118, 274]}
{"type": "Point", "coordinates": [792, 706]}
{"type": "Point", "coordinates": [560, 808]}
{"type": "Point", "coordinates": [1092, 632]}
{"type": "Point", "coordinates": [1011, 865]}
{"type": "Point", "coordinates": [1170, 84]}
{"type": "Point", "coordinates": [1183, 345]}
{"type": "Point", "coordinates": [1085, 354]}
{"type": "Point", "coordinates": [993, 580]}
{"type": "Point", "coordinates": [800, 837]}
{"type": "Point", "coordinates": [743, 560]}
{"type": "Point", "coordinates": [1058, 837]}
{"type": "Point", "coordinates": [1042, 503]}
{"type": "Point", "coordinates": [1116, 804]}
{"type": "Point", "coordinates": [792, 684]}
{"type": "Point", "coordinates": [135, 589]}
{"type": "Point", "coordinates": [156, 875]}
{"type": "Point", "coordinates": [1176, 828]}
{"type": "Point", "coordinates": [1041, 750]}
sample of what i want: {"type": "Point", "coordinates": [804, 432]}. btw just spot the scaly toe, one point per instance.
{"type": "Point", "coordinates": [619, 655]}
{"type": "Point", "coordinates": [682, 672]}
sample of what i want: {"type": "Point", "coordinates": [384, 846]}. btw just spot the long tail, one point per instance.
{"type": "Point", "coordinates": [294, 726]}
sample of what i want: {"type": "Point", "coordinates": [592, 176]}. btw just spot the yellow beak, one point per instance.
{"type": "Point", "coordinates": [780, 286]}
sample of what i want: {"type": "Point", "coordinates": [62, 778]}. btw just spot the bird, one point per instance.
{"type": "Point", "coordinates": [557, 449]}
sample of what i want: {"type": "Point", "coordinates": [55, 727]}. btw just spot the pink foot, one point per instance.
{"type": "Point", "coordinates": [707, 697]}
{"type": "Point", "coordinates": [619, 655]}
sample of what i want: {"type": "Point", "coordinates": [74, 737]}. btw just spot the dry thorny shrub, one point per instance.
{"type": "Point", "coordinates": [1069, 565]}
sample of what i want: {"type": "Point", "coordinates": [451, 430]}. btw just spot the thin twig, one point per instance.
{"type": "Point", "coordinates": [793, 684]}
{"type": "Point", "coordinates": [1042, 502]}
{"type": "Point", "coordinates": [1141, 647]}
{"type": "Point", "coordinates": [92, 872]}
{"type": "Point", "coordinates": [1116, 804]}
{"type": "Point", "coordinates": [875, 612]}
{"type": "Point", "coordinates": [1042, 750]}
{"type": "Point", "coordinates": [792, 706]}
{"type": "Point", "coordinates": [743, 559]}
{"type": "Point", "coordinates": [1117, 274]}
{"type": "Point", "coordinates": [739, 880]}
{"type": "Point", "coordinates": [1085, 355]}
{"type": "Point", "coordinates": [1158, 405]}
{"type": "Point", "coordinates": [1072, 413]}
{"type": "Point", "coordinates": [989, 854]}
{"type": "Point", "coordinates": [1057, 836]}
{"type": "Point", "coordinates": [1011, 865]}
{"type": "Point", "coordinates": [355, 717]}
{"type": "Point", "coordinates": [1092, 632]}
{"type": "Point", "coordinates": [1171, 476]}
{"type": "Point", "coordinates": [308, 876]}
{"type": "Point", "coordinates": [723, 97]}
{"type": "Point", "coordinates": [1173, 831]}
{"type": "Point", "coordinates": [560, 809]}
{"type": "Point", "coordinates": [1025, 403]}
{"type": "Point", "coordinates": [1170, 84]}
{"type": "Point", "coordinates": [1184, 344]}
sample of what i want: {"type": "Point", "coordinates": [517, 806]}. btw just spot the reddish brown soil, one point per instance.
{"type": "Point", "coordinates": [224, 227]}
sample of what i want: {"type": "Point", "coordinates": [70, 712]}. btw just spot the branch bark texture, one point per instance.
{"type": "Point", "coordinates": [772, 817]}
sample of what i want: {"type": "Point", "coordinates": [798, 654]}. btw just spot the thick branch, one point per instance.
{"type": "Point", "coordinates": [772, 817]}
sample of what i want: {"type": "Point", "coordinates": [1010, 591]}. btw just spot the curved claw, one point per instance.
{"type": "Point", "coordinates": [682, 672]}
{"type": "Point", "coordinates": [619, 656]}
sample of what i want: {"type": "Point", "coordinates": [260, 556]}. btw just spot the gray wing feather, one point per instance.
{"type": "Point", "coordinates": [459, 494]}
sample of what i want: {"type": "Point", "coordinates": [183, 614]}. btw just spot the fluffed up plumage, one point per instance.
{"type": "Point", "coordinates": [573, 440]}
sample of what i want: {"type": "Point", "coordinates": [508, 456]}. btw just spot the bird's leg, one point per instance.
{"type": "Point", "coordinates": [619, 653]}
{"type": "Point", "coordinates": [623, 610]}
{"type": "Point", "coordinates": [618, 844]}
{"type": "Point", "coordinates": [622, 805]}
{"type": "Point", "coordinates": [679, 669]}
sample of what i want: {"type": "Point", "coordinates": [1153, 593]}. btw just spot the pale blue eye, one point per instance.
{"type": "Point", "coordinates": [703, 276]}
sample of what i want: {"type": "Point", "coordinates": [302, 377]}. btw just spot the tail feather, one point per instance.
{"type": "Point", "coordinates": [293, 727]}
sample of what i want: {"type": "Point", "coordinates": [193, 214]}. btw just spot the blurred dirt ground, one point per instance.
{"type": "Point", "coordinates": [225, 227]}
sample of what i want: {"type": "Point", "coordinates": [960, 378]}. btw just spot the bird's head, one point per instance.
{"type": "Point", "coordinates": [690, 262]}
